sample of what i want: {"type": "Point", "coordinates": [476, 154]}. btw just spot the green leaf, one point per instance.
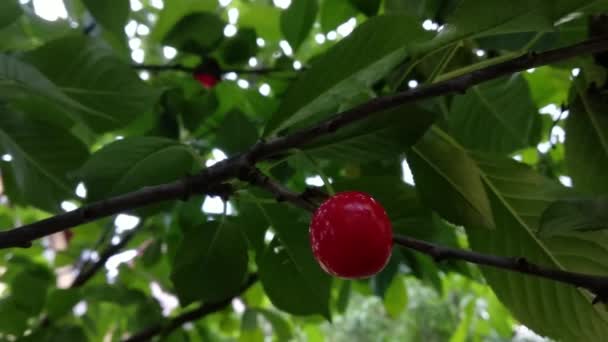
{"type": "Point", "coordinates": [548, 85]}
{"type": "Point", "coordinates": [111, 91]}
{"type": "Point", "coordinates": [10, 10]}
{"type": "Point", "coordinates": [478, 18]}
{"type": "Point", "coordinates": [449, 182]}
{"type": "Point", "coordinates": [395, 298]}
{"type": "Point", "coordinates": [116, 294]}
{"type": "Point", "coordinates": [496, 117]}
{"type": "Point", "coordinates": [14, 320]}
{"type": "Point", "coordinates": [334, 13]}
{"type": "Point", "coordinates": [371, 54]}
{"type": "Point", "coordinates": [28, 290]}
{"type": "Point", "coordinates": [382, 136]}
{"type": "Point", "coordinates": [422, 9]}
{"type": "Point", "coordinates": [44, 156]}
{"type": "Point", "coordinates": [177, 9]}
{"type": "Point", "coordinates": [280, 325]}
{"type": "Point", "coordinates": [253, 223]}
{"type": "Point", "coordinates": [236, 133]}
{"type": "Point", "coordinates": [291, 277]}
{"type": "Point", "coordinates": [21, 81]}
{"type": "Point", "coordinates": [368, 7]}
{"type": "Point", "coordinates": [297, 21]}
{"type": "Point", "coordinates": [197, 33]}
{"type": "Point", "coordinates": [240, 48]}
{"type": "Point", "coordinates": [112, 15]}
{"type": "Point", "coordinates": [462, 332]}
{"type": "Point", "coordinates": [152, 254]}
{"type": "Point", "coordinates": [250, 329]}
{"type": "Point", "coordinates": [475, 18]}
{"type": "Point", "coordinates": [61, 301]}
{"type": "Point", "coordinates": [261, 17]}
{"type": "Point", "coordinates": [343, 296]}
{"type": "Point", "coordinates": [211, 263]}
{"type": "Point", "coordinates": [587, 142]}
{"type": "Point", "coordinates": [519, 196]}
{"type": "Point", "coordinates": [130, 164]}
{"type": "Point", "coordinates": [575, 215]}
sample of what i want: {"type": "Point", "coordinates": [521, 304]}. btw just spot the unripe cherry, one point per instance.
{"type": "Point", "coordinates": [351, 235]}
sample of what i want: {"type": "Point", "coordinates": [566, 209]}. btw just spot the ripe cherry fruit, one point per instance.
{"type": "Point", "coordinates": [351, 235]}
{"type": "Point", "coordinates": [207, 80]}
{"type": "Point", "coordinates": [208, 73]}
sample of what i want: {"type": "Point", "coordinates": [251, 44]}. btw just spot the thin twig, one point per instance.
{"type": "Point", "coordinates": [595, 284]}
{"type": "Point", "coordinates": [281, 193]}
{"type": "Point", "coordinates": [230, 168]}
{"type": "Point", "coordinates": [189, 316]}
{"type": "Point", "coordinates": [112, 249]}
{"type": "Point", "coordinates": [163, 67]}
{"type": "Point", "coordinates": [183, 68]}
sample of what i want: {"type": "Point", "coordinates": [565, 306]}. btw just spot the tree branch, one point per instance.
{"type": "Point", "coordinates": [257, 178]}
{"type": "Point", "coordinates": [232, 167]}
{"type": "Point", "coordinates": [598, 285]}
{"type": "Point", "coordinates": [595, 284]}
{"type": "Point", "coordinates": [88, 272]}
{"type": "Point", "coordinates": [188, 316]}
{"type": "Point", "coordinates": [183, 68]}
{"type": "Point", "coordinates": [454, 85]}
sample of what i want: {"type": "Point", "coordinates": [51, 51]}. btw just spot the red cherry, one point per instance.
{"type": "Point", "coordinates": [351, 235]}
{"type": "Point", "coordinates": [207, 80]}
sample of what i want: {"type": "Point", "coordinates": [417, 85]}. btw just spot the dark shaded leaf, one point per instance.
{"type": "Point", "coordinates": [519, 196]}
{"type": "Point", "coordinates": [368, 7]}
{"type": "Point", "coordinates": [240, 48]}
{"type": "Point", "coordinates": [43, 158]}
{"type": "Point", "coordinates": [111, 91]}
{"type": "Point", "coordinates": [132, 163]}
{"type": "Point", "coordinates": [9, 12]}
{"type": "Point", "coordinates": [197, 33]}
{"type": "Point", "coordinates": [111, 14]}
{"type": "Point", "coordinates": [211, 263]}
{"type": "Point", "coordinates": [382, 136]}
{"type": "Point", "coordinates": [587, 144]}
{"type": "Point", "coordinates": [496, 117]}
{"type": "Point", "coordinates": [330, 81]}
{"type": "Point", "coordinates": [334, 13]}
{"type": "Point", "coordinates": [291, 277]}
{"type": "Point", "coordinates": [28, 290]}
{"type": "Point", "coordinates": [449, 182]}
{"type": "Point", "coordinates": [575, 215]}
{"type": "Point", "coordinates": [236, 133]}
{"type": "Point", "coordinates": [61, 301]}
{"type": "Point", "coordinates": [297, 21]}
